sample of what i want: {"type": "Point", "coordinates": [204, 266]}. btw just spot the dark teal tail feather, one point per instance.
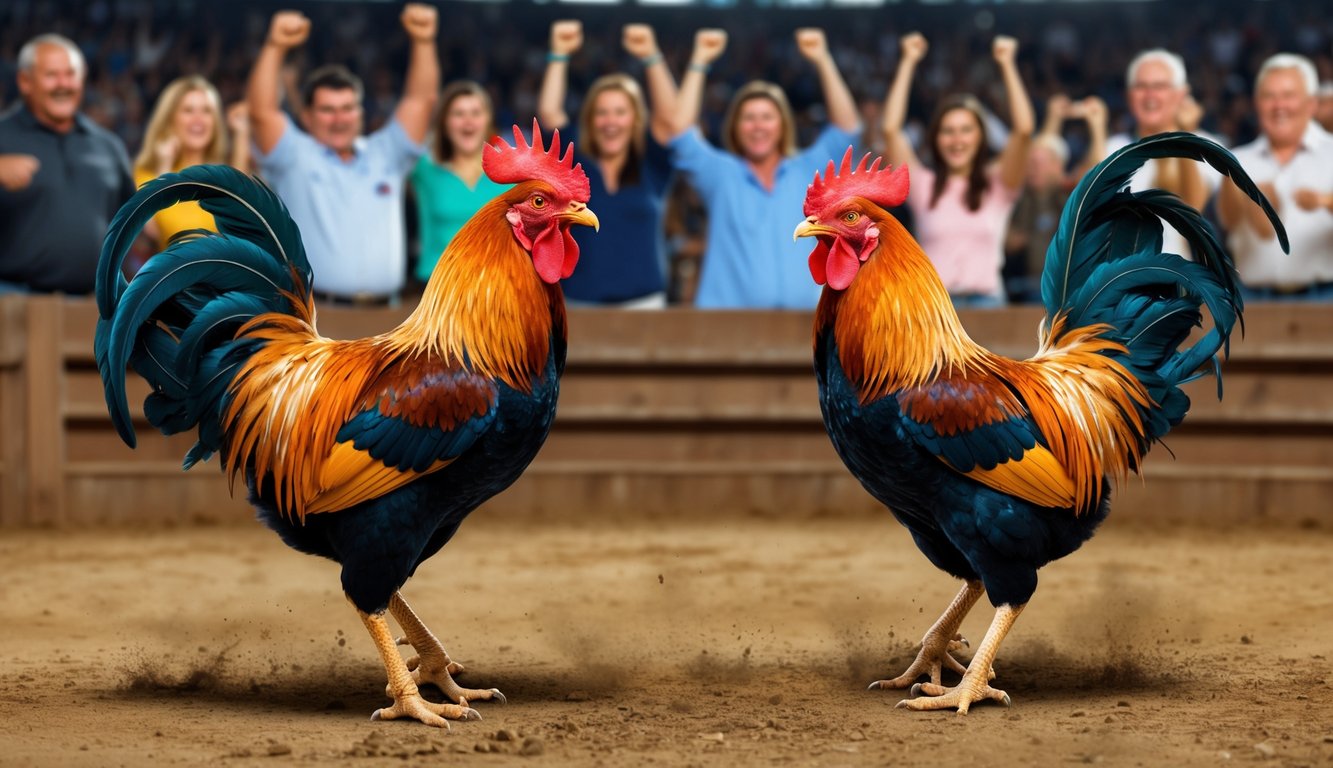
{"type": "Point", "coordinates": [1105, 265]}
{"type": "Point", "coordinates": [175, 322]}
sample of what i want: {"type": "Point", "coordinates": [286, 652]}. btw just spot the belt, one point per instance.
{"type": "Point", "coordinates": [364, 300]}
{"type": "Point", "coordinates": [1291, 290]}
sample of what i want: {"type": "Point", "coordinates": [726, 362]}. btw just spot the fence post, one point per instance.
{"type": "Point", "coordinates": [44, 438]}
{"type": "Point", "coordinates": [13, 410]}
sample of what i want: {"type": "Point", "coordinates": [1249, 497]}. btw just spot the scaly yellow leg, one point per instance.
{"type": "Point", "coordinates": [975, 685]}
{"type": "Point", "coordinates": [407, 701]}
{"type": "Point", "coordinates": [432, 664]}
{"type": "Point", "coordinates": [940, 639]}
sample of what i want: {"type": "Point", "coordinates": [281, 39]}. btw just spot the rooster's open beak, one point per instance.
{"type": "Point", "coordinates": [810, 228]}
{"type": "Point", "coordinates": [580, 213]}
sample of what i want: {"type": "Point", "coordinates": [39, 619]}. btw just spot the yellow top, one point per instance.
{"type": "Point", "coordinates": [177, 218]}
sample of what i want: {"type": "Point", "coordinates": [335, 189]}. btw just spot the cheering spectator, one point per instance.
{"type": "Point", "coordinates": [754, 188]}
{"type": "Point", "coordinates": [629, 170]}
{"type": "Point", "coordinates": [187, 128]}
{"type": "Point", "coordinates": [62, 177]}
{"type": "Point", "coordinates": [961, 203]}
{"type": "Point", "coordinates": [1160, 101]}
{"type": "Point", "coordinates": [345, 192]}
{"type": "Point", "coordinates": [448, 182]}
{"type": "Point", "coordinates": [1293, 164]}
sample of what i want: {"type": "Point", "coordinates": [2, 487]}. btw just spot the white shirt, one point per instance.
{"type": "Point", "coordinates": [1262, 263]}
{"type": "Point", "coordinates": [1145, 178]}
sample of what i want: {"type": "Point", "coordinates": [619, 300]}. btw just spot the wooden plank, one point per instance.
{"type": "Point", "coordinates": [44, 436]}
{"type": "Point", "coordinates": [13, 395]}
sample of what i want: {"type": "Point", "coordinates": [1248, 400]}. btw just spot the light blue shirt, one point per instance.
{"type": "Point", "coordinates": [751, 261]}
{"type": "Point", "coordinates": [350, 212]}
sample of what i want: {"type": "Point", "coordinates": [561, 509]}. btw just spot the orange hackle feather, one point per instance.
{"type": "Point", "coordinates": [484, 304]}
{"type": "Point", "coordinates": [897, 332]}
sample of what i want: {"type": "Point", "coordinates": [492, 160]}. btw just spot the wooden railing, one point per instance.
{"type": "Point", "coordinates": [668, 414]}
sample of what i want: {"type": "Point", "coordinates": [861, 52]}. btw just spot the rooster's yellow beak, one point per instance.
{"type": "Point", "coordinates": [810, 228]}
{"type": "Point", "coordinates": [580, 213]}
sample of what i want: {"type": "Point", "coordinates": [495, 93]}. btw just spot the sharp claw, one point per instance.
{"type": "Point", "coordinates": [497, 696]}
{"type": "Point", "coordinates": [901, 705]}
{"type": "Point", "coordinates": [375, 715]}
{"type": "Point", "coordinates": [914, 691]}
{"type": "Point", "coordinates": [1006, 701]}
{"type": "Point", "coordinates": [471, 714]}
{"type": "Point", "coordinates": [874, 686]}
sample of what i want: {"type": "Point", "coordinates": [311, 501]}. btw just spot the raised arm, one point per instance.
{"type": "Point", "coordinates": [287, 30]}
{"type": "Point", "coordinates": [708, 46]}
{"type": "Point", "coordinates": [1014, 156]}
{"type": "Point", "coordinates": [566, 38]}
{"type": "Point", "coordinates": [899, 149]}
{"type": "Point", "coordinates": [1181, 176]}
{"type": "Point", "coordinates": [1095, 114]}
{"type": "Point", "coordinates": [238, 121]}
{"type": "Point", "coordinates": [838, 101]}
{"type": "Point", "coordinates": [641, 43]}
{"type": "Point", "coordinates": [421, 89]}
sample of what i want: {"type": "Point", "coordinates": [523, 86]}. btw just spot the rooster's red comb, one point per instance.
{"type": "Point", "coordinates": [524, 162]}
{"type": "Point", "coordinates": [885, 187]}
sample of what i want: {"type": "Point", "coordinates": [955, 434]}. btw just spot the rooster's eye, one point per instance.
{"type": "Point", "coordinates": [850, 217]}
{"type": "Point", "coordinates": [538, 202]}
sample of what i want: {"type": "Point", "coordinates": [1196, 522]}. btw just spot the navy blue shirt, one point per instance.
{"type": "Point", "coordinates": [51, 231]}
{"type": "Point", "coordinates": [626, 259]}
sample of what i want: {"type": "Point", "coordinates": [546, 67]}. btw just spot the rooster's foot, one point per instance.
{"type": "Point", "coordinates": [452, 667]}
{"type": "Point", "coordinates": [413, 706]}
{"type": "Point", "coordinates": [961, 696]}
{"type": "Point", "coordinates": [935, 656]}
{"type": "Point", "coordinates": [438, 673]}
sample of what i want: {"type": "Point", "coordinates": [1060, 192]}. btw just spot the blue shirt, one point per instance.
{"type": "Point", "coordinates": [626, 259]}
{"type": "Point", "coordinates": [751, 261]}
{"type": "Point", "coordinates": [350, 212]}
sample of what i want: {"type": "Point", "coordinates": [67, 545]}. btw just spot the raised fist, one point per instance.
{"type": "Point", "coordinates": [812, 43]}
{"type": "Point", "coordinates": [708, 45]}
{"type": "Point", "coordinates": [913, 46]}
{"type": "Point", "coordinates": [1004, 49]}
{"type": "Point", "coordinates": [421, 22]}
{"type": "Point", "coordinates": [288, 29]}
{"type": "Point", "coordinates": [639, 41]}
{"type": "Point", "coordinates": [566, 37]}
{"type": "Point", "coordinates": [16, 171]}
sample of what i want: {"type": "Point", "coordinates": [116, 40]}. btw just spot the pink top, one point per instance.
{"type": "Point", "coordinates": [966, 247]}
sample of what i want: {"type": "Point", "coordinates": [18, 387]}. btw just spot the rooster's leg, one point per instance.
{"type": "Point", "coordinates": [940, 639]}
{"type": "Point", "coordinates": [975, 685]}
{"type": "Point", "coordinates": [432, 664]}
{"type": "Point", "coordinates": [407, 700]}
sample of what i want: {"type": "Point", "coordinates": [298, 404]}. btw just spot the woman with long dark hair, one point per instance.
{"type": "Point", "coordinates": [962, 200]}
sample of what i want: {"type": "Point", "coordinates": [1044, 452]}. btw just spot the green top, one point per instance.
{"type": "Point", "coordinates": [444, 204]}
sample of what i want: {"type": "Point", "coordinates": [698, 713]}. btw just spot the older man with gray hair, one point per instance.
{"type": "Point", "coordinates": [62, 177]}
{"type": "Point", "coordinates": [1292, 161]}
{"type": "Point", "coordinates": [1160, 101]}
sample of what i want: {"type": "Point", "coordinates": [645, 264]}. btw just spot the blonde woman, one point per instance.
{"type": "Point", "coordinates": [621, 144]}
{"type": "Point", "coordinates": [755, 184]}
{"type": "Point", "coordinates": [187, 128]}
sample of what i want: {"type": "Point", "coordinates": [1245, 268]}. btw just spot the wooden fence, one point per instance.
{"type": "Point", "coordinates": [669, 414]}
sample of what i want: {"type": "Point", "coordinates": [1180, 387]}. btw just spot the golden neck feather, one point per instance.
{"type": "Point", "coordinates": [485, 303]}
{"type": "Point", "coordinates": [895, 325]}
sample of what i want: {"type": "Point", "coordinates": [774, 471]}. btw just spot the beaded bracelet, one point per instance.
{"type": "Point", "coordinates": [648, 61]}
{"type": "Point", "coordinates": [553, 57]}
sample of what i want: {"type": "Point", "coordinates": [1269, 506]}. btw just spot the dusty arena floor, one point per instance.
{"type": "Point", "coordinates": [747, 642]}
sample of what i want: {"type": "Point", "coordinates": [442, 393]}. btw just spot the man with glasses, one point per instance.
{"type": "Point", "coordinates": [345, 191]}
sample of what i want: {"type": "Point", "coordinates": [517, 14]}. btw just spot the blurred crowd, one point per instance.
{"type": "Point", "coordinates": [134, 48]}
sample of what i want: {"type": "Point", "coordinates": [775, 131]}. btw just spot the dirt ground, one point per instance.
{"type": "Point", "coordinates": [736, 642]}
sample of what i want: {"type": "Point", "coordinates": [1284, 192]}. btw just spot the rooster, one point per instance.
{"type": "Point", "coordinates": [999, 466]}
{"type": "Point", "coordinates": [369, 452]}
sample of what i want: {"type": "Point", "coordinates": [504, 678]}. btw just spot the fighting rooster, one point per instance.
{"type": "Point", "coordinates": [999, 466]}
{"type": "Point", "coordinates": [369, 452]}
